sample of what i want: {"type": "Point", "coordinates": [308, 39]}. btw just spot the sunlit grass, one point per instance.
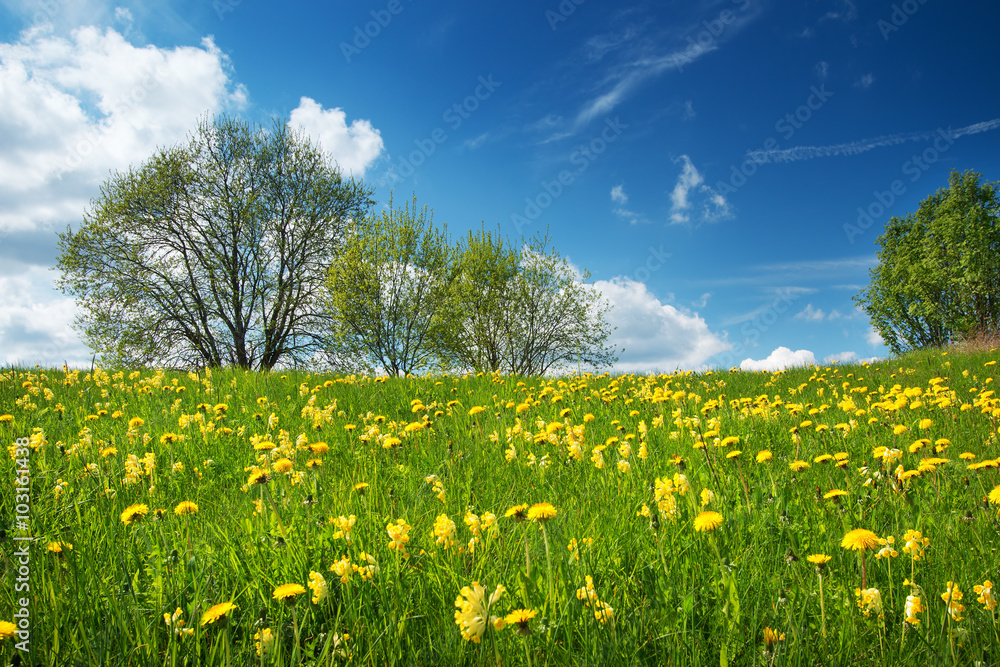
{"type": "Point", "coordinates": [674, 519]}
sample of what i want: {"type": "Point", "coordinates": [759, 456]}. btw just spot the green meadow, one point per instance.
{"type": "Point", "coordinates": [822, 515]}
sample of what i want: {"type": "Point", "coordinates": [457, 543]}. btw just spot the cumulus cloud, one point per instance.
{"type": "Point", "coordinates": [353, 146]}
{"type": "Point", "coordinates": [693, 202]}
{"type": "Point", "coordinates": [841, 358]}
{"type": "Point", "coordinates": [874, 338]}
{"type": "Point", "coordinates": [810, 314]}
{"type": "Point", "coordinates": [656, 336]}
{"type": "Point", "coordinates": [75, 108]}
{"type": "Point", "coordinates": [779, 360]}
{"type": "Point", "coordinates": [35, 322]}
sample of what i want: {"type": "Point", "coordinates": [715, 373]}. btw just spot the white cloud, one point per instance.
{"type": "Point", "coordinates": [353, 146]}
{"type": "Point", "coordinates": [691, 196]}
{"type": "Point", "coordinates": [841, 358]}
{"type": "Point", "coordinates": [874, 338]}
{"type": "Point", "coordinates": [810, 314]}
{"type": "Point", "coordinates": [75, 108]}
{"type": "Point", "coordinates": [475, 142]}
{"type": "Point", "coordinates": [35, 322]}
{"type": "Point", "coordinates": [656, 336]}
{"type": "Point", "coordinates": [618, 195]}
{"type": "Point", "coordinates": [779, 360]}
{"type": "Point", "coordinates": [864, 145]}
{"type": "Point", "coordinates": [702, 300]}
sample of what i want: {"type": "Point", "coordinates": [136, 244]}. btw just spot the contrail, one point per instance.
{"type": "Point", "coordinates": [855, 147]}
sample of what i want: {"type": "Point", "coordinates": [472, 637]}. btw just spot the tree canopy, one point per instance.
{"type": "Point", "coordinates": [522, 309]}
{"type": "Point", "coordinates": [387, 288]}
{"type": "Point", "coordinates": [214, 252]}
{"type": "Point", "coordinates": [938, 277]}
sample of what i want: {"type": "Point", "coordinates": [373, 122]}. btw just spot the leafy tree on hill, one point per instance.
{"type": "Point", "coordinates": [938, 277]}
{"type": "Point", "coordinates": [214, 252]}
{"type": "Point", "coordinates": [523, 309]}
{"type": "Point", "coordinates": [387, 288]}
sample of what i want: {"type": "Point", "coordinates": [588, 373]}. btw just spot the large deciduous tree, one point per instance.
{"type": "Point", "coordinates": [523, 309]}
{"type": "Point", "coordinates": [214, 252]}
{"type": "Point", "coordinates": [938, 277]}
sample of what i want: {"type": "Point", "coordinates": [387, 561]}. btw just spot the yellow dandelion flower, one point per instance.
{"type": "Point", "coordinates": [764, 456]}
{"type": "Point", "coordinates": [707, 521]}
{"type": "Point", "coordinates": [520, 618]}
{"type": "Point", "coordinates": [541, 512]}
{"type": "Point", "coordinates": [859, 539]}
{"type": "Point", "coordinates": [185, 507]}
{"type": "Point", "coordinates": [217, 613]}
{"type": "Point", "coordinates": [287, 592]}
{"type": "Point", "coordinates": [818, 559]}
{"type": "Point", "coordinates": [134, 513]}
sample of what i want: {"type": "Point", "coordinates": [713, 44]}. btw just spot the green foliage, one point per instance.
{"type": "Point", "coordinates": [938, 277]}
{"type": "Point", "coordinates": [386, 290]}
{"type": "Point", "coordinates": [523, 309]}
{"type": "Point", "coordinates": [624, 461]}
{"type": "Point", "coordinates": [212, 253]}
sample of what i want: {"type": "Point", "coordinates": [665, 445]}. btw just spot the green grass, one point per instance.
{"type": "Point", "coordinates": [679, 596]}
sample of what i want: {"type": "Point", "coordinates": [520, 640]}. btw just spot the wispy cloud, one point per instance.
{"type": "Point", "coordinates": [619, 197]}
{"type": "Point", "coordinates": [864, 145]}
{"type": "Point", "coordinates": [691, 201]}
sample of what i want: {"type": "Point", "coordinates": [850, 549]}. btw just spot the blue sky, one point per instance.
{"type": "Point", "coordinates": [722, 168]}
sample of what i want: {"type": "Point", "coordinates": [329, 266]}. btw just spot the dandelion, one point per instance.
{"type": "Point", "coordinates": [519, 512]}
{"type": "Point", "coordinates": [764, 455]}
{"type": "Point", "coordinates": [185, 507]}
{"type": "Point", "coordinates": [798, 466]}
{"type": "Point", "coordinates": [818, 559]}
{"type": "Point", "coordinates": [361, 488]}
{"type": "Point", "coordinates": [860, 539]}
{"type": "Point", "coordinates": [217, 613]}
{"type": "Point", "coordinates": [7, 629]}
{"type": "Point", "coordinates": [834, 494]}
{"type": "Point", "coordinates": [707, 521]}
{"type": "Point", "coordinates": [994, 495]}
{"type": "Point", "coordinates": [541, 512]}
{"type": "Point", "coordinates": [519, 618]}
{"type": "Point", "coordinates": [772, 637]}
{"type": "Point", "coordinates": [287, 592]}
{"type": "Point", "coordinates": [134, 513]}
{"type": "Point", "coordinates": [473, 611]}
